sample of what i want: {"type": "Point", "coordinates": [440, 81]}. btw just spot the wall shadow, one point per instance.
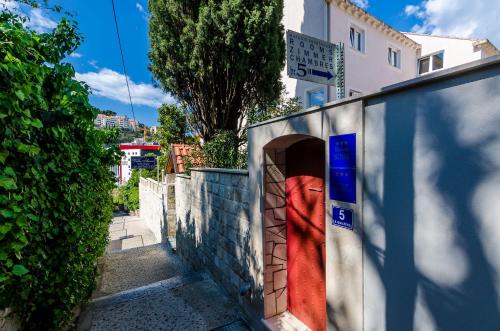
{"type": "Point", "coordinates": [430, 169]}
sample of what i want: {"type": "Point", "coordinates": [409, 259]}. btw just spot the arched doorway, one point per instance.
{"type": "Point", "coordinates": [294, 228]}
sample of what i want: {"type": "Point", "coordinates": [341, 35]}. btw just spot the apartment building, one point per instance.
{"type": "Point", "coordinates": [376, 55]}
{"type": "Point", "coordinates": [118, 121]}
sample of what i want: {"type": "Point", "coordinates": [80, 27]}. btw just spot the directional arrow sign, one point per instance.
{"type": "Point", "coordinates": [325, 74]}
{"type": "Point", "coordinates": [310, 58]}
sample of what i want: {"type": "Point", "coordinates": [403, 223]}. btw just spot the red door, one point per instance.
{"type": "Point", "coordinates": [305, 212]}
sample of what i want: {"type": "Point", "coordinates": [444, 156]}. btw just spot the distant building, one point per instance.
{"type": "Point", "coordinates": [117, 121]}
{"type": "Point", "coordinates": [130, 150]}
{"type": "Point", "coordinates": [153, 129]}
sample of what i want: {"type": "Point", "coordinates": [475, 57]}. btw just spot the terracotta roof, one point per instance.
{"type": "Point", "coordinates": [178, 153]}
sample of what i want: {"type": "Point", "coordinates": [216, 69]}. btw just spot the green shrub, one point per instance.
{"type": "Point", "coordinates": [224, 152]}
{"type": "Point", "coordinates": [129, 192]}
{"type": "Point", "coordinates": [55, 183]}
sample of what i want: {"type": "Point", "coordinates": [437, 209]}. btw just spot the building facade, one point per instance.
{"type": "Point", "coordinates": [439, 52]}
{"type": "Point", "coordinates": [376, 55]}
{"type": "Point", "coordinates": [118, 121]}
{"type": "Point", "coordinates": [133, 150]}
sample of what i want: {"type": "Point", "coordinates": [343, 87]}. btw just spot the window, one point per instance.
{"type": "Point", "coordinates": [316, 98]}
{"type": "Point", "coordinates": [424, 65]}
{"type": "Point", "coordinates": [394, 57]}
{"type": "Point", "coordinates": [354, 93]}
{"type": "Point", "coordinates": [431, 63]}
{"type": "Point", "coordinates": [357, 38]}
{"type": "Point", "coordinates": [438, 61]}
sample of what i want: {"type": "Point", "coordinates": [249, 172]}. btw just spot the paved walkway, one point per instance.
{"type": "Point", "coordinates": [149, 288]}
{"type": "Point", "coordinates": [127, 232]}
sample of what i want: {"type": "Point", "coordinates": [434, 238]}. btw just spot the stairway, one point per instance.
{"type": "Point", "coordinates": [149, 288]}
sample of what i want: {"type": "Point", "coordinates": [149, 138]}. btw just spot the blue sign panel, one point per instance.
{"type": "Point", "coordinates": [342, 217]}
{"type": "Point", "coordinates": [343, 168]}
{"type": "Point", "coordinates": [143, 162]}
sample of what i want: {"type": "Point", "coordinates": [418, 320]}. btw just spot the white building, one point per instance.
{"type": "Point", "coordinates": [440, 52]}
{"type": "Point", "coordinates": [133, 150]}
{"type": "Point", "coordinates": [376, 55]}
{"type": "Point", "coordinates": [118, 121]}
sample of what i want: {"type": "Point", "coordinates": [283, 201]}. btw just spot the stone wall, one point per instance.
{"type": "Point", "coordinates": [213, 230]}
{"type": "Point", "coordinates": [153, 206]}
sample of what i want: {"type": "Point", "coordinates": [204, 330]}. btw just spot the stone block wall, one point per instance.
{"type": "Point", "coordinates": [213, 232]}
{"type": "Point", "coordinates": [275, 267]}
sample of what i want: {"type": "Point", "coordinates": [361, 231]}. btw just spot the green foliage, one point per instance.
{"type": "Point", "coordinates": [220, 59]}
{"type": "Point", "coordinates": [107, 112]}
{"type": "Point", "coordinates": [55, 183]}
{"type": "Point", "coordinates": [129, 193]}
{"type": "Point", "coordinates": [173, 127]}
{"type": "Point", "coordinates": [127, 135]}
{"type": "Point", "coordinates": [283, 107]}
{"type": "Point", "coordinates": [227, 150]}
{"type": "Point", "coordinates": [223, 152]}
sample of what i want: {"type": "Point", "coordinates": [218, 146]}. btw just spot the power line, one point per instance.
{"type": "Point", "coordinates": [123, 59]}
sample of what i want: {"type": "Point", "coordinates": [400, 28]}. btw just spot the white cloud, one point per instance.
{"type": "Point", "coordinates": [9, 4]}
{"type": "Point", "coordinates": [144, 13]}
{"type": "Point", "coordinates": [93, 63]}
{"type": "Point", "coordinates": [76, 55]}
{"type": "Point", "coordinates": [460, 18]}
{"type": "Point", "coordinates": [111, 84]}
{"type": "Point", "coordinates": [361, 3]}
{"type": "Point", "coordinates": [39, 22]}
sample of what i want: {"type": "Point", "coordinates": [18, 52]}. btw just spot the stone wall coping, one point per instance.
{"type": "Point", "coordinates": [239, 172]}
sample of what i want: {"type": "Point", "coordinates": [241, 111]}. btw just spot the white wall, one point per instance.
{"type": "Point", "coordinates": [126, 163]}
{"type": "Point", "coordinates": [308, 17]}
{"type": "Point", "coordinates": [430, 216]}
{"type": "Point", "coordinates": [456, 51]}
{"type": "Point", "coordinates": [370, 71]}
{"type": "Point", "coordinates": [153, 207]}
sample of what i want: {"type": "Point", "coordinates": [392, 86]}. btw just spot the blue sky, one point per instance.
{"type": "Point", "coordinates": [97, 60]}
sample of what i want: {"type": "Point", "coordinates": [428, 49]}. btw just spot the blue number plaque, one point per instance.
{"type": "Point", "coordinates": [343, 168]}
{"type": "Point", "coordinates": [342, 217]}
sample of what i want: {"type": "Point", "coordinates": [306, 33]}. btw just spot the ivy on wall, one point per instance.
{"type": "Point", "coordinates": [55, 183]}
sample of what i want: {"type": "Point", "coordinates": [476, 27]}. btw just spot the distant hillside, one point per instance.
{"type": "Point", "coordinates": [107, 112]}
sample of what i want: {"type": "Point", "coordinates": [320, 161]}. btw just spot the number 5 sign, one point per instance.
{"type": "Point", "coordinates": [315, 60]}
{"type": "Point", "coordinates": [342, 217]}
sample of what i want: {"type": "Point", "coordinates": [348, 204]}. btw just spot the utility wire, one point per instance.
{"type": "Point", "coordinates": [123, 59]}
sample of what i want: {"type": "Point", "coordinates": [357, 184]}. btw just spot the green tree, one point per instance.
{"type": "Point", "coordinates": [55, 183]}
{"type": "Point", "coordinates": [173, 128]}
{"type": "Point", "coordinates": [107, 112]}
{"type": "Point", "coordinates": [220, 59]}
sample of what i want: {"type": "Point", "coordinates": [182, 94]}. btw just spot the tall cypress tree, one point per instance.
{"type": "Point", "coordinates": [220, 58]}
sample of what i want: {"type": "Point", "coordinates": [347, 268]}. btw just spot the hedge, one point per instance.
{"type": "Point", "coordinates": [55, 183]}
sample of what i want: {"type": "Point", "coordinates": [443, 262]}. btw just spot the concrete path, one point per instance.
{"type": "Point", "coordinates": [127, 232]}
{"type": "Point", "coordinates": [149, 288]}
